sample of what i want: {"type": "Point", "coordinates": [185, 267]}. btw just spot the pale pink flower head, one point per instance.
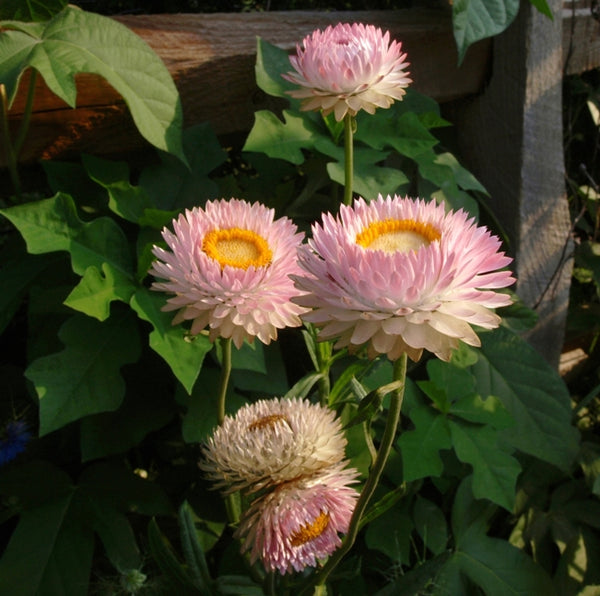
{"type": "Point", "coordinates": [348, 68]}
{"type": "Point", "coordinates": [229, 269]}
{"type": "Point", "coordinates": [401, 275]}
{"type": "Point", "coordinates": [272, 441]}
{"type": "Point", "coordinates": [298, 523]}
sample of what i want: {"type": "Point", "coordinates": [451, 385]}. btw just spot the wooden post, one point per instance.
{"type": "Point", "coordinates": [510, 137]}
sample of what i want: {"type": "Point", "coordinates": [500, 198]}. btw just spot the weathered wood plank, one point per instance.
{"type": "Point", "coordinates": [211, 58]}
{"type": "Point", "coordinates": [511, 138]}
{"type": "Point", "coordinates": [581, 40]}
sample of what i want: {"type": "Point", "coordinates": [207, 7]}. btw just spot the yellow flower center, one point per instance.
{"type": "Point", "coordinates": [267, 421]}
{"type": "Point", "coordinates": [237, 248]}
{"type": "Point", "coordinates": [310, 531]}
{"type": "Point", "coordinates": [397, 235]}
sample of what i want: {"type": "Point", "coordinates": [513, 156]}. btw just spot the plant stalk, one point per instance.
{"type": "Point", "coordinates": [387, 441]}
{"type": "Point", "coordinates": [349, 124]}
{"type": "Point", "coordinates": [224, 382]}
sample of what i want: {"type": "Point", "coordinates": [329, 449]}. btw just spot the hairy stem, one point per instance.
{"type": "Point", "coordinates": [349, 124]}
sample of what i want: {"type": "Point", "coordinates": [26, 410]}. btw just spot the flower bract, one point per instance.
{"type": "Point", "coordinates": [298, 522]}
{"type": "Point", "coordinates": [348, 68]}
{"type": "Point", "coordinates": [228, 269]}
{"type": "Point", "coordinates": [272, 441]}
{"type": "Point", "coordinates": [400, 275]}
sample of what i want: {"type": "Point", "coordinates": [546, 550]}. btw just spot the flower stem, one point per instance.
{"type": "Point", "coordinates": [385, 447]}
{"type": "Point", "coordinates": [349, 124]}
{"type": "Point", "coordinates": [11, 157]}
{"type": "Point", "coordinates": [225, 373]}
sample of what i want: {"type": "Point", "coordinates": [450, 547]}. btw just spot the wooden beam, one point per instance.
{"type": "Point", "coordinates": [581, 39]}
{"type": "Point", "coordinates": [211, 58]}
{"type": "Point", "coordinates": [511, 139]}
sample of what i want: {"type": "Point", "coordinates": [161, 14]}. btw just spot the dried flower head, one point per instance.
{"type": "Point", "coordinates": [272, 441]}
{"type": "Point", "coordinates": [401, 275]}
{"type": "Point", "coordinates": [348, 68]}
{"type": "Point", "coordinates": [299, 522]}
{"type": "Point", "coordinates": [228, 269]}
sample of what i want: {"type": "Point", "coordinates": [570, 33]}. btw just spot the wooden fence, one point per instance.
{"type": "Point", "coordinates": [505, 102]}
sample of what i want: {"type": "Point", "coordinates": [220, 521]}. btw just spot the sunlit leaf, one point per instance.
{"type": "Point", "coordinates": [477, 19]}
{"type": "Point", "coordinates": [54, 225]}
{"type": "Point", "coordinates": [281, 140]}
{"type": "Point", "coordinates": [76, 41]}
{"type": "Point", "coordinates": [184, 354]}
{"type": "Point", "coordinates": [96, 291]}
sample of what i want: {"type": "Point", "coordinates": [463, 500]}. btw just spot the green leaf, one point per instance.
{"type": "Point", "coordinates": [405, 133]}
{"type": "Point", "coordinates": [281, 140]}
{"type": "Point", "coordinates": [192, 549]}
{"type": "Point", "coordinates": [144, 410]}
{"type": "Point", "coordinates": [183, 353]}
{"type": "Point", "coordinates": [369, 179]}
{"type": "Point", "coordinates": [494, 470]}
{"type": "Point", "coordinates": [116, 484]}
{"type": "Point", "coordinates": [84, 378]}
{"type": "Point", "coordinates": [420, 447]}
{"type": "Point", "coordinates": [49, 552]}
{"type": "Point", "coordinates": [271, 61]}
{"type": "Point", "coordinates": [543, 7]}
{"type": "Point", "coordinates": [473, 20]}
{"type": "Point", "coordinates": [532, 392]}
{"type": "Point", "coordinates": [53, 225]}
{"type": "Point", "coordinates": [173, 186]}
{"type": "Point", "coordinates": [200, 418]}
{"type": "Point", "coordinates": [483, 411]}
{"type": "Point", "coordinates": [165, 557]}
{"type": "Point", "coordinates": [431, 525]}
{"type": "Point", "coordinates": [493, 564]}
{"type": "Point", "coordinates": [76, 41]}
{"type": "Point", "coordinates": [390, 534]}
{"type": "Point", "coordinates": [96, 291]}
{"type": "Point", "coordinates": [17, 273]}
{"type": "Point", "coordinates": [126, 200]}
{"type": "Point", "coordinates": [32, 10]}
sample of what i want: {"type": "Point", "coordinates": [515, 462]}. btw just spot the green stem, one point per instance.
{"type": "Point", "coordinates": [24, 128]}
{"type": "Point", "coordinates": [225, 373]}
{"type": "Point", "coordinates": [11, 157]}
{"type": "Point", "coordinates": [324, 383]}
{"type": "Point", "coordinates": [387, 441]}
{"type": "Point", "coordinates": [232, 501]}
{"type": "Point", "coordinates": [348, 157]}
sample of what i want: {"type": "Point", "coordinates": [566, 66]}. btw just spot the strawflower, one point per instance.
{"type": "Point", "coordinates": [228, 269]}
{"type": "Point", "coordinates": [401, 275]}
{"type": "Point", "coordinates": [348, 68]}
{"type": "Point", "coordinates": [298, 523]}
{"type": "Point", "coordinates": [272, 441]}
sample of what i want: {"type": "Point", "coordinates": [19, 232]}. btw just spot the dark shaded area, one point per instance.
{"type": "Point", "coordinates": [113, 7]}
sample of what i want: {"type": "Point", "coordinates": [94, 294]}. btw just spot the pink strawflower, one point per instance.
{"type": "Point", "coordinates": [348, 68]}
{"type": "Point", "coordinates": [402, 275]}
{"type": "Point", "coordinates": [228, 270]}
{"type": "Point", "coordinates": [272, 441]}
{"type": "Point", "coordinates": [299, 522]}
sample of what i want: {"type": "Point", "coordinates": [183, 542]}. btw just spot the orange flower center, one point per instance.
{"type": "Point", "coordinates": [267, 421]}
{"type": "Point", "coordinates": [310, 531]}
{"type": "Point", "coordinates": [237, 248]}
{"type": "Point", "coordinates": [397, 235]}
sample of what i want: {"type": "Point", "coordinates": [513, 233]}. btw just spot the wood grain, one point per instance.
{"type": "Point", "coordinates": [211, 58]}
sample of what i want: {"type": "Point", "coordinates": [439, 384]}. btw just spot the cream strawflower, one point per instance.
{"type": "Point", "coordinates": [298, 523]}
{"type": "Point", "coordinates": [272, 441]}
{"type": "Point", "coordinates": [348, 68]}
{"type": "Point", "coordinates": [228, 269]}
{"type": "Point", "coordinates": [402, 275]}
